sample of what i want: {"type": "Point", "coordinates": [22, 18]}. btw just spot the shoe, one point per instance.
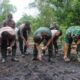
{"type": "Point", "coordinates": [27, 53]}
{"type": "Point", "coordinates": [23, 55]}
{"type": "Point", "coordinates": [49, 59]}
{"type": "Point", "coordinates": [15, 60]}
{"type": "Point", "coordinates": [67, 59]}
{"type": "Point", "coordinates": [3, 60]}
{"type": "Point", "coordinates": [35, 59]}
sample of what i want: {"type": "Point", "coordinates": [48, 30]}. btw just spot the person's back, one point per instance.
{"type": "Point", "coordinates": [8, 29]}
{"type": "Point", "coordinates": [43, 30]}
{"type": "Point", "coordinates": [73, 31]}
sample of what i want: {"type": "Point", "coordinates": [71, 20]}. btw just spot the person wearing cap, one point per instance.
{"type": "Point", "coordinates": [7, 38]}
{"type": "Point", "coordinates": [72, 35]}
{"type": "Point", "coordinates": [54, 26]}
{"type": "Point", "coordinates": [9, 21]}
{"type": "Point", "coordinates": [23, 32]}
{"type": "Point", "coordinates": [41, 34]}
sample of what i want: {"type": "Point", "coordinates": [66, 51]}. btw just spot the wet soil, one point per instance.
{"type": "Point", "coordinates": [26, 69]}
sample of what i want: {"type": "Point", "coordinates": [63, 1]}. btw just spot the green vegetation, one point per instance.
{"type": "Point", "coordinates": [5, 9]}
{"type": "Point", "coordinates": [64, 12]}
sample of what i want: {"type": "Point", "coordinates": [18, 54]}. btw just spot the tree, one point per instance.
{"type": "Point", "coordinates": [5, 9]}
{"type": "Point", "coordinates": [62, 11]}
{"type": "Point", "coordinates": [46, 15]}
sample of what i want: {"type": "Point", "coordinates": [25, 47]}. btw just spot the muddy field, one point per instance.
{"type": "Point", "coordinates": [26, 69]}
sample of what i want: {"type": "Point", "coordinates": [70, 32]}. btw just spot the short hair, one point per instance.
{"type": "Point", "coordinates": [5, 35]}
{"type": "Point", "coordinates": [77, 36]}
{"type": "Point", "coordinates": [54, 26]}
{"type": "Point", "coordinates": [37, 39]}
{"type": "Point", "coordinates": [27, 24]}
{"type": "Point", "coordinates": [68, 35]}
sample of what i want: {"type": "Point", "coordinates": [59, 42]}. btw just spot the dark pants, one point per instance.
{"type": "Point", "coordinates": [22, 47]}
{"type": "Point", "coordinates": [50, 50]}
{"type": "Point", "coordinates": [5, 42]}
{"type": "Point", "coordinates": [55, 44]}
{"type": "Point", "coordinates": [69, 48]}
{"type": "Point", "coordinates": [35, 51]}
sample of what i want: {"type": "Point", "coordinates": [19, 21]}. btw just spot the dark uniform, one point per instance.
{"type": "Point", "coordinates": [47, 36]}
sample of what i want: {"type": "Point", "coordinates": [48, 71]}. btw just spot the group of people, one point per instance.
{"type": "Point", "coordinates": [8, 40]}
{"type": "Point", "coordinates": [45, 35]}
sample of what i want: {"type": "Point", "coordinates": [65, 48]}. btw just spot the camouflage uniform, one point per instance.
{"type": "Point", "coordinates": [73, 35]}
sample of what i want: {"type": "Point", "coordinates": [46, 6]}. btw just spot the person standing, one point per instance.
{"type": "Point", "coordinates": [9, 21]}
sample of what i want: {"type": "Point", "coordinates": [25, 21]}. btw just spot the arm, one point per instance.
{"type": "Point", "coordinates": [11, 44]}
{"type": "Point", "coordinates": [39, 51]}
{"type": "Point", "coordinates": [48, 43]}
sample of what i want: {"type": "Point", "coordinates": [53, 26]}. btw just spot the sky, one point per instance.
{"type": "Point", "coordinates": [23, 7]}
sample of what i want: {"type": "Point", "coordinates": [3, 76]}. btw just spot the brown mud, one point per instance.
{"type": "Point", "coordinates": [26, 69]}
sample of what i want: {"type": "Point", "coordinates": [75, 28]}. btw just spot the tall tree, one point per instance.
{"type": "Point", "coordinates": [65, 12]}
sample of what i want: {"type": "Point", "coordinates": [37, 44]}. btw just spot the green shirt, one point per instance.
{"type": "Point", "coordinates": [74, 31]}
{"type": "Point", "coordinates": [43, 29]}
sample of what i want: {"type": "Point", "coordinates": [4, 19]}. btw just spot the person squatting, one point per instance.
{"type": "Point", "coordinates": [47, 36]}
{"type": "Point", "coordinates": [72, 35]}
{"type": "Point", "coordinates": [8, 38]}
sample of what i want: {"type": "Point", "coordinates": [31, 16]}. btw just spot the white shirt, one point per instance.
{"type": "Point", "coordinates": [54, 32]}
{"type": "Point", "coordinates": [8, 29]}
{"type": "Point", "coordinates": [21, 26]}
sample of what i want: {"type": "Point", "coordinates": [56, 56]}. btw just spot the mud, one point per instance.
{"type": "Point", "coordinates": [26, 69]}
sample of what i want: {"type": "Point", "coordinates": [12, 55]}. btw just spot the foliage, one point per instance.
{"type": "Point", "coordinates": [64, 12]}
{"type": "Point", "coordinates": [5, 9]}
